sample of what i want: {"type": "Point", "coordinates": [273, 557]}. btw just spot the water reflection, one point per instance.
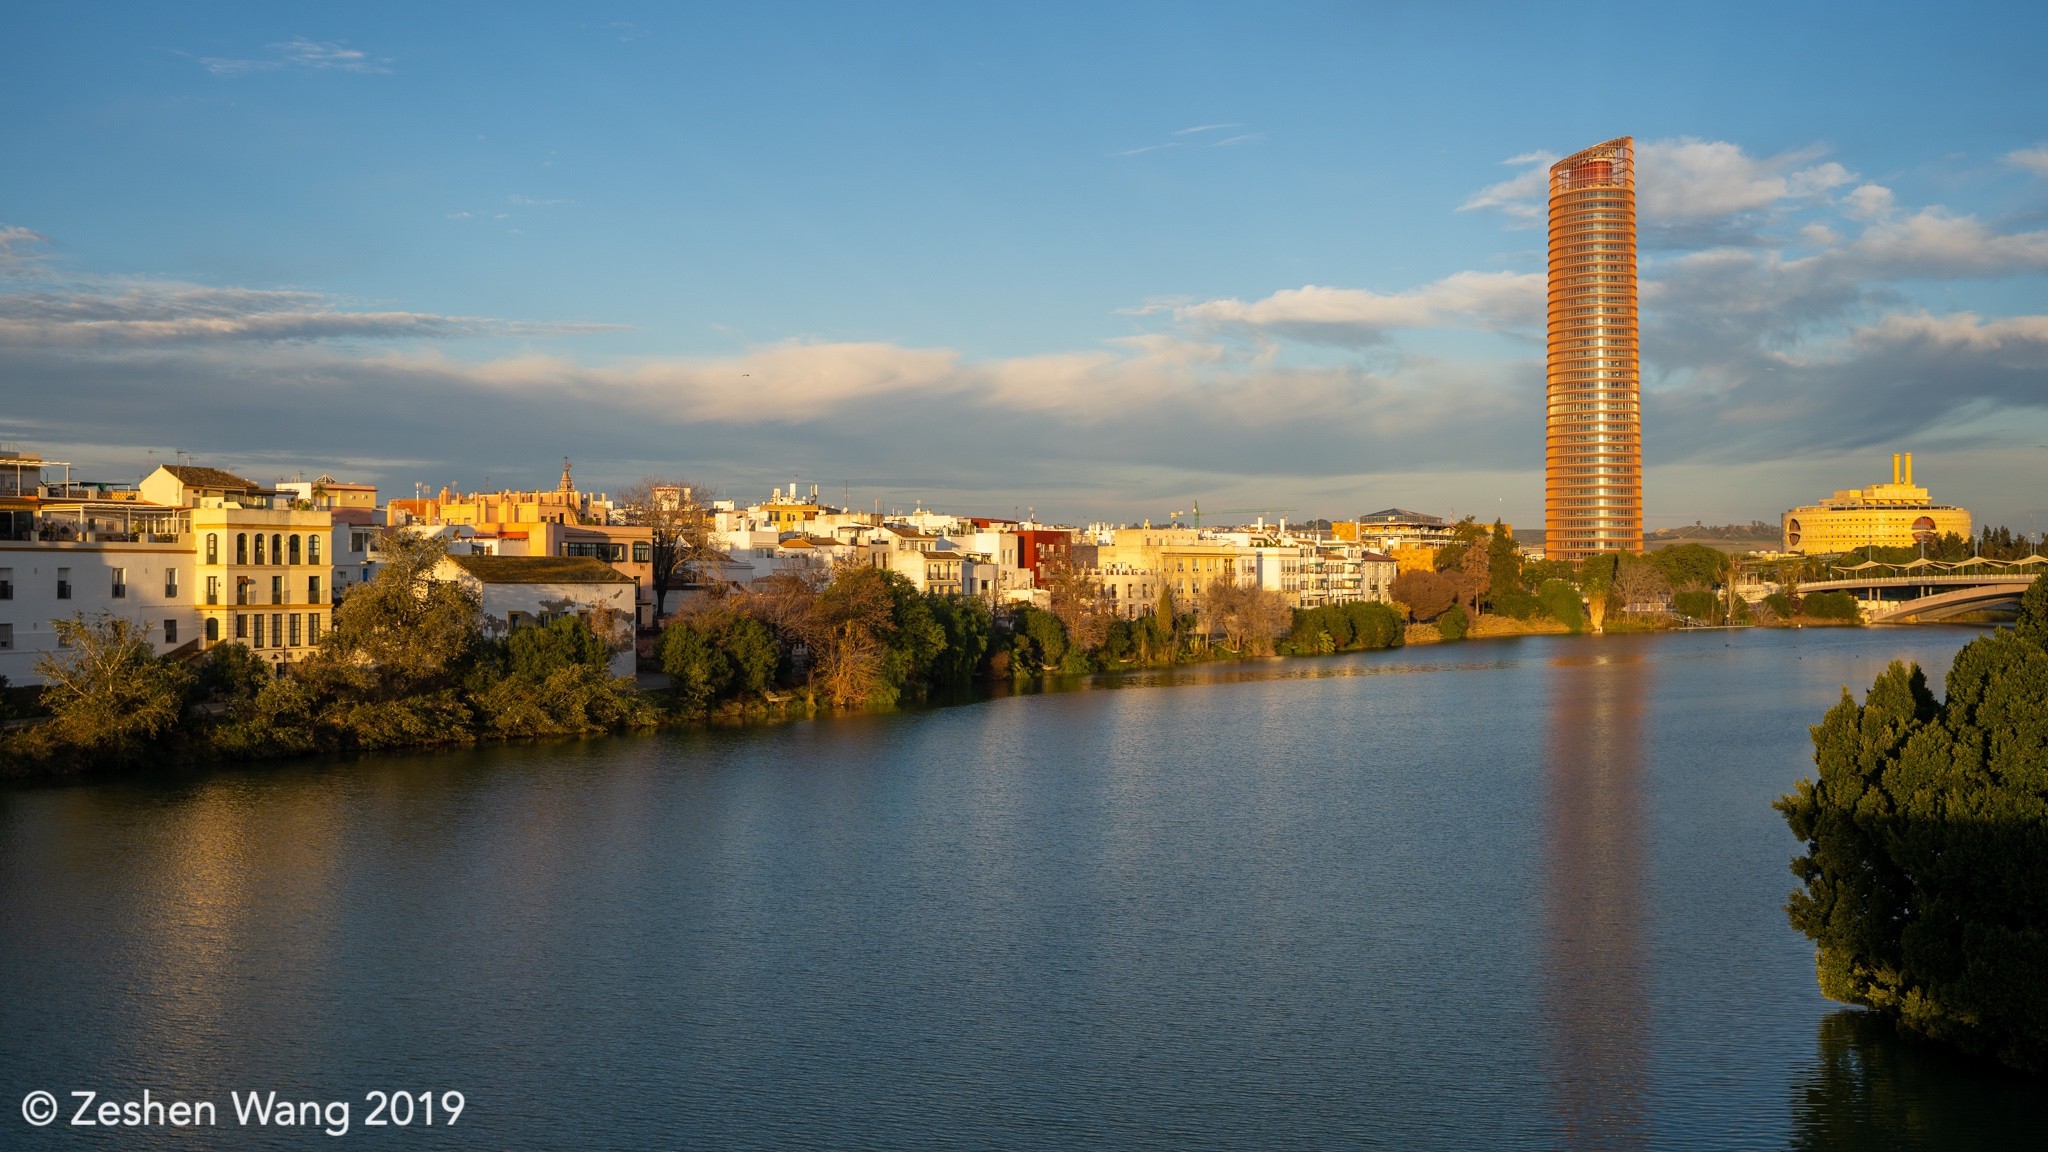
{"type": "Point", "coordinates": [1595, 991]}
{"type": "Point", "coordinates": [1873, 1089]}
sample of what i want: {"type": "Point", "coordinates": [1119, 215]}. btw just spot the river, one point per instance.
{"type": "Point", "coordinates": [1504, 894]}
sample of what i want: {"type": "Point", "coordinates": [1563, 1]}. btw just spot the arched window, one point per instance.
{"type": "Point", "coordinates": [312, 549]}
{"type": "Point", "coordinates": [213, 547]}
{"type": "Point", "coordinates": [241, 547]}
{"type": "Point", "coordinates": [276, 548]}
{"type": "Point", "coordinates": [259, 547]}
{"type": "Point", "coordinates": [212, 629]}
{"type": "Point", "coordinates": [295, 548]}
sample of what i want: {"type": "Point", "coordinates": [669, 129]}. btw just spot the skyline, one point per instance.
{"type": "Point", "coordinates": [1102, 265]}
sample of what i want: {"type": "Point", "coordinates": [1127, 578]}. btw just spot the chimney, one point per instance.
{"type": "Point", "coordinates": [1909, 467]}
{"type": "Point", "coordinates": [1895, 467]}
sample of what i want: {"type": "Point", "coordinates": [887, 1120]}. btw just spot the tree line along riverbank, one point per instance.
{"type": "Point", "coordinates": [412, 663]}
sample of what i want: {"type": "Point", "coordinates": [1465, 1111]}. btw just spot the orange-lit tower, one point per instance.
{"type": "Point", "coordinates": [1593, 447]}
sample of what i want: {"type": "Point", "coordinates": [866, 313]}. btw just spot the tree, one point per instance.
{"type": "Point", "coordinates": [1249, 618]}
{"type": "Point", "coordinates": [403, 632]}
{"type": "Point", "coordinates": [1924, 880]}
{"type": "Point", "coordinates": [1426, 594]}
{"type": "Point", "coordinates": [1504, 564]}
{"type": "Point", "coordinates": [1475, 575]}
{"type": "Point", "coordinates": [1691, 565]}
{"type": "Point", "coordinates": [1638, 581]}
{"type": "Point", "coordinates": [1561, 601]}
{"type": "Point", "coordinates": [1077, 601]}
{"type": "Point", "coordinates": [109, 695]}
{"type": "Point", "coordinates": [677, 517]}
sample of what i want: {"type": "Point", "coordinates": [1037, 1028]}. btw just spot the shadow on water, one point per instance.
{"type": "Point", "coordinates": [1596, 996]}
{"type": "Point", "coordinates": [1872, 1089]}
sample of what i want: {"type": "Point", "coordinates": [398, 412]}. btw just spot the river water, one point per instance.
{"type": "Point", "coordinates": [1508, 894]}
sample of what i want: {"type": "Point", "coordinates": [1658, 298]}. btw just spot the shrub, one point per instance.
{"type": "Point", "coordinates": [1452, 624]}
{"type": "Point", "coordinates": [1517, 604]}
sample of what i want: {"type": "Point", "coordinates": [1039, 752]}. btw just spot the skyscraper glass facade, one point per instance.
{"type": "Point", "coordinates": [1593, 448]}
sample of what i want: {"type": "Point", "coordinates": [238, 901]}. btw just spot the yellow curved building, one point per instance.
{"type": "Point", "coordinates": [1593, 448]}
{"type": "Point", "coordinates": [1894, 515]}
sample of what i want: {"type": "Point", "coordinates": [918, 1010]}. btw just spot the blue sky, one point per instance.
{"type": "Point", "coordinates": [1102, 263]}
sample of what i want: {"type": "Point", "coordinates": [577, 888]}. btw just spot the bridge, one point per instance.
{"type": "Point", "coordinates": [1931, 590]}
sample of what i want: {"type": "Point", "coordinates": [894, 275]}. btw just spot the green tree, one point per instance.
{"type": "Point", "coordinates": [1504, 564]}
{"type": "Point", "coordinates": [1925, 870]}
{"type": "Point", "coordinates": [1691, 565]}
{"type": "Point", "coordinates": [1453, 623]}
{"type": "Point", "coordinates": [1561, 601]}
{"type": "Point", "coordinates": [110, 698]}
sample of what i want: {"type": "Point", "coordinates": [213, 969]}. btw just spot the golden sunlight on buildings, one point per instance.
{"type": "Point", "coordinates": [1593, 448]}
{"type": "Point", "coordinates": [1895, 515]}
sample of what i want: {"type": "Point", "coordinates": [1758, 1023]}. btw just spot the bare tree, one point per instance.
{"type": "Point", "coordinates": [678, 517]}
{"type": "Point", "coordinates": [1249, 618]}
{"type": "Point", "coordinates": [1640, 582]}
{"type": "Point", "coordinates": [1077, 601]}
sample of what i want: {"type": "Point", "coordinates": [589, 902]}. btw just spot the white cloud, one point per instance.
{"type": "Point", "coordinates": [1354, 317]}
{"type": "Point", "coordinates": [1681, 184]}
{"type": "Point", "coordinates": [1690, 181]}
{"type": "Point", "coordinates": [2033, 159]}
{"type": "Point", "coordinates": [146, 313]}
{"type": "Point", "coordinates": [300, 53]}
{"type": "Point", "coordinates": [20, 246]}
{"type": "Point", "coordinates": [1521, 196]}
{"type": "Point", "coordinates": [1868, 202]}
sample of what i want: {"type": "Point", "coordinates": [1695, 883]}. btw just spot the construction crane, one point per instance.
{"type": "Point", "coordinates": [1196, 509]}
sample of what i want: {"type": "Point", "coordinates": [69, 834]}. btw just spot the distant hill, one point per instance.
{"type": "Point", "coordinates": [1755, 536]}
{"type": "Point", "coordinates": [1754, 530]}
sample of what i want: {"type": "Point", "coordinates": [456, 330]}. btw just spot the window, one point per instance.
{"type": "Point", "coordinates": [312, 589]}
{"type": "Point", "coordinates": [242, 588]}
{"type": "Point", "coordinates": [241, 626]}
{"type": "Point", "coordinates": [6, 583]}
{"type": "Point", "coordinates": [615, 553]}
{"type": "Point", "coordinates": [120, 589]}
{"type": "Point", "coordinates": [277, 629]}
{"type": "Point", "coordinates": [295, 630]}
{"type": "Point", "coordinates": [313, 628]}
{"type": "Point", "coordinates": [212, 629]}
{"type": "Point", "coordinates": [170, 583]}
{"type": "Point", "coordinates": [213, 547]}
{"type": "Point", "coordinates": [295, 548]}
{"type": "Point", "coordinates": [276, 548]}
{"type": "Point", "coordinates": [642, 551]}
{"type": "Point", "coordinates": [258, 641]}
{"type": "Point", "coordinates": [515, 620]}
{"type": "Point", "coordinates": [359, 541]}
{"type": "Point", "coordinates": [259, 547]}
{"type": "Point", "coordinates": [6, 637]}
{"type": "Point", "coordinates": [277, 590]}
{"type": "Point", "coordinates": [213, 589]}
{"type": "Point", "coordinates": [241, 547]}
{"type": "Point", "coordinates": [312, 549]}
{"type": "Point", "coordinates": [63, 583]}
{"type": "Point", "coordinates": [170, 631]}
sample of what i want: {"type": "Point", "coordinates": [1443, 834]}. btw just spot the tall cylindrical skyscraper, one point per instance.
{"type": "Point", "coordinates": [1593, 447]}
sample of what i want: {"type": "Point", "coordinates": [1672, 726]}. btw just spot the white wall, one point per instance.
{"type": "Point", "coordinates": [34, 604]}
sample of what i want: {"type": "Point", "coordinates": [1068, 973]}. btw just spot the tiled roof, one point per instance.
{"type": "Point", "coordinates": [540, 570]}
{"type": "Point", "coordinates": [192, 476]}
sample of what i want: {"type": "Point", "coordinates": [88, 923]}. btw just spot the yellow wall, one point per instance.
{"type": "Point", "coordinates": [295, 617]}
